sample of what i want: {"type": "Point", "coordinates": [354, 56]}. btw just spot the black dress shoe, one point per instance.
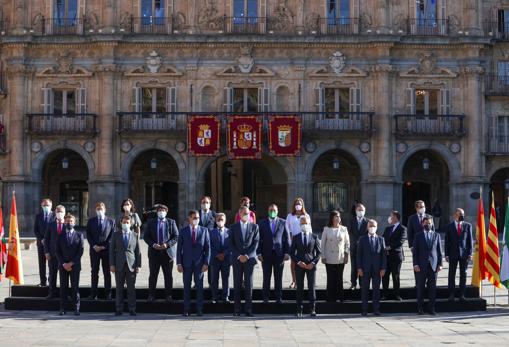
{"type": "Point", "coordinates": [118, 313]}
{"type": "Point", "coordinates": [214, 301]}
{"type": "Point", "coordinates": [352, 287]}
{"type": "Point", "coordinates": [76, 313]}
{"type": "Point", "coordinates": [298, 313]}
{"type": "Point", "coordinates": [377, 313]}
{"type": "Point", "coordinates": [132, 313]}
{"type": "Point", "coordinates": [150, 298]}
{"type": "Point", "coordinates": [313, 313]}
{"type": "Point", "coordinates": [108, 296]}
{"type": "Point", "coordinates": [265, 301]}
{"type": "Point", "coordinates": [279, 302]}
{"type": "Point", "coordinates": [62, 313]}
{"type": "Point", "coordinates": [42, 285]}
{"type": "Point", "coordinates": [49, 296]}
{"type": "Point", "coordinates": [236, 314]}
{"type": "Point", "coordinates": [383, 298]}
{"type": "Point", "coordinates": [432, 312]}
{"type": "Point", "coordinates": [398, 298]}
{"type": "Point", "coordinates": [462, 298]}
{"type": "Point", "coordinates": [92, 296]}
{"type": "Point", "coordinates": [420, 312]}
{"type": "Point", "coordinates": [249, 314]}
{"type": "Point", "coordinates": [185, 314]}
{"type": "Point", "coordinates": [364, 314]}
{"type": "Point", "coordinates": [227, 301]}
{"type": "Point", "coordinates": [451, 297]}
{"type": "Point", "coordinates": [199, 313]}
{"type": "Point", "coordinates": [169, 299]}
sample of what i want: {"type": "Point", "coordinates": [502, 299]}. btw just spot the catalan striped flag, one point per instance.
{"type": "Point", "coordinates": [14, 269]}
{"type": "Point", "coordinates": [492, 261]}
{"type": "Point", "coordinates": [479, 271]}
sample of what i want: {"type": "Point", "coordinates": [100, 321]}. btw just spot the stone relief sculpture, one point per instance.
{"type": "Point", "coordinates": [246, 60]}
{"type": "Point", "coordinates": [282, 20]}
{"type": "Point", "coordinates": [208, 17]}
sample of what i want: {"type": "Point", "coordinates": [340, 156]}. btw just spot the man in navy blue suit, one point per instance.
{"type": "Point", "coordinates": [99, 231]}
{"type": "Point", "coordinates": [220, 258]}
{"type": "Point", "coordinates": [53, 232]}
{"type": "Point", "coordinates": [69, 251]}
{"type": "Point", "coordinates": [207, 220]}
{"type": "Point", "coordinates": [427, 260]}
{"type": "Point", "coordinates": [161, 236]}
{"type": "Point", "coordinates": [42, 220]}
{"type": "Point", "coordinates": [244, 238]}
{"type": "Point", "coordinates": [273, 250]}
{"type": "Point", "coordinates": [371, 265]}
{"type": "Point", "coordinates": [193, 256]}
{"type": "Point", "coordinates": [414, 225]}
{"type": "Point", "coordinates": [459, 244]}
{"type": "Point", "coordinates": [358, 227]}
{"type": "Point", "coordinates": [394, 236]}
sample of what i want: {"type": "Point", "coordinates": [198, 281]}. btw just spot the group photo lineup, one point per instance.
{"type": "Point", "coordinates": [254, 172]}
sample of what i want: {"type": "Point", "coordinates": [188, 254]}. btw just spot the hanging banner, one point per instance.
{"type": "Point", "coordinates": [203, 135]}
{"type": "Point", "coordinates": [284, 135]}
{"type": "Point", "coordinates": [244, 137]}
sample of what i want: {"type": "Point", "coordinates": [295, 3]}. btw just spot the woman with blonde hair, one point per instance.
{"type": "Point", "coordinates": [293, 227]}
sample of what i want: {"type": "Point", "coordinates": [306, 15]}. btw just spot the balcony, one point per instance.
{"type": "Point", "coordinates": [143, 122]}
{"type": "Point", "coordinates": [497, 85]}
{"type": "Point", "coordinates": [427, 27]}
{"type": "Point", "coordinates": [338, 26]}
{"type": "Point", "coordinates": [497, 30]}
{"type": "Point", "coordinates": [245, 25]}
{"type": "Point", "coordinates": [61, 124]}
{"type": "Point", "coordinates": [438, 126]}
{"type": "Point", "coordinates": [498, 141]}
{"type": "Point", "coordinates": [151, 25]}
{"type": "Point", "coordinates": [3, 26]}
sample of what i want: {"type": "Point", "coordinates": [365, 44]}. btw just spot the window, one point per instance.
{"type": "Point", "coordinates": [502, 130]}
{"type": "Point", "coordinates": [426, 11]}
{"type": "Point", "coordinates": [63, 101]}
{"type": "Point", "coordinates": [246, 99]}
{"type": "Point", "coordinates": [339, 100]}
{"type": "Point", "coordinates": [154, 99]}
{"type": "Point", "coordinates": [503, 21]}
{"type": "Point", "coordinates": [338, 11]}
{"type": "Point", "coordinates": [503, 72]}
{"type": "Point", "coordinates": [428, 102]}
{"type": "Point", "coordinates": [152, 12]}
{"type": "Point", "coordinates": [65, 12]}
{"type": "Point", "coordinates": [245, 8]}
{"type": "Point", "coordinates": [330, 196]}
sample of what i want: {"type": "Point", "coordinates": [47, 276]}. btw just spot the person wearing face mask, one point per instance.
{"type": "Point", "coordinates": [42, 221]}
{"type": "Point", "coordinates": [414, 225]}
{"type": "Point", "coordinates": [220, 258]}
{"type": "Point", "coordinates": [244, 238]}
{"type": "Point", "coordinates": [427, 261]}
{"type": "Point", "coordinates": [371, 265]}
{"type": "Point", "coordinates": [127, 209]}
{"type": "Point", "coordinates": [100, 228]}
{"type": "Point", "coordinates": [394, 236]}
{"type": "Point", "coordinates": [293, 227]}
{"type": "Point", "coordinates": [305, 251]}
{"type": "Point", "coordinates": [459, 244]}
{"type": "Point", "coordinates": [69, 251]}
{"type": "Point", "coordinates": [54, 230]}
{"type": "Point", "coordinates": [125, 263]}
{"type": "Point", "coordinates": [246, 202]}
{"type": "Point", "coordinates": [161, 235]}
{"type": "Point", "coordinates": [358, 227]}
{"type": "Point", "coordinates": [273, 251]}
{"type": "Point", "coordinates": [207, 220]}
{"type": "Point", "coordinates": [193, 257]}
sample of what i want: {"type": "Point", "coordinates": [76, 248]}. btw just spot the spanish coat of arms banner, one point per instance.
{"type": "Point", "coordinates": [203, 135]}
{"type": "Point", "coordinates": [244, 137]}
{"type": "Point", "coordinates": [284, 135]}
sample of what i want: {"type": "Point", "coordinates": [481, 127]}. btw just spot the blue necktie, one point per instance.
{"type": "Point", "coordinates": [69, 234]}
{"type": "Point", "coordinates": [305, 240]}
{"type": "Point", "coordinates": [160, 233]}
{"type": "Point", "coordinates": [126, 240]}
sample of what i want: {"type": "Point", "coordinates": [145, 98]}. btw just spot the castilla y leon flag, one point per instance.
{"type": "Point", "coordinates": [244, 137]}
{"type": "Point", "coordinates": [479, 271]}
{"type": "Point", "coordinates": [3, 245]}
{"type": "Point", "coordinates": [14, 269]}
{"type": "Point", "coordinates": [284, 135]}
{"type": "Point", "coordinates": [504, 271]}
{"type": "Point", "coordinates": [203, 135]}
{"type": "Point", "coordinates": [492, 261]}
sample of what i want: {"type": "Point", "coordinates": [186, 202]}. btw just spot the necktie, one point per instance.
{"type": "Point", "coordinates": [359, 222]}
{"type": "Point", "coordinates": [160, 232]}
{"type": "Point", "coordinates": [305, 239]}
{"type": "Point", "coordinates": [372, 239]}
{"type": "Point", "coordinates": [428, 238]}
{"type": "Point", "coordinates": [45, 218]}
{"type": "Point", "coordinates": [59, 228]}
{"type": "Point", "coordinates": [221, 237]}
{"type": "Point", "coordinates": [100, 224]}
{"type": "Point", "coordinates": [243, 229]}
{"type": "Point", "coordinates": [459, 229]}
{"type": "Point", "coordinates": [126, 240]}
{"type": "Point", "coordinates": [69, 235]}
{"type": "Point", "coordinates": [193, 235]}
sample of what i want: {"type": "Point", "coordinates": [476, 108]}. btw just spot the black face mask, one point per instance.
{"type": "Point", "coordinates": [461, 218]}
{"type": "Point", "coordinates": [427, 227]}
{"type": "Point", "coordinates": [69, 226]}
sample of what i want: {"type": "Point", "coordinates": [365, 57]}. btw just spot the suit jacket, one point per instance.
{"type": "Point", "coordinates": [210, 223]}
{"type": "Point", "coordinates": [424, 253]}
{"type": "Point", "coordinates": [458, 247]}
{"type": "Point", "coordinates": [355, 232]}
{"type": "Point", "coordinates": [170, 236]}
{"type": "Point", "coordinates": [67, 252]}
{"type": "Point", "coordinates": [395, 240]}
{"type": "Point", "coordinates": [120, 255]}
{"type": "Point", "coordinates": [414, 227]}
{"type": "Point", "coordinates": [248, 246]}
{"type": "Point", "coordinates": [279, 242]}
{"type": "Point", "coordinates": [369, 259]}
{"type": "Point", "coordinates": [51, 238]}
{"type": "Point", "coordinates": [216, 247]}
{"type": "Point", "coordinates": [309, 253]}
{"type": "Point", "coordinates": [100, 236]}
{"type": "Point", "coordinates": [40, 225]}
{"type": "Point", "coordinates": [197, 254]}
{"type": "Point", "coordinates": [335, 242]}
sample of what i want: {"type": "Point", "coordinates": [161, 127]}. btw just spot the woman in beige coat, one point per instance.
{"type": "Point", "coordinates": [335, 250]}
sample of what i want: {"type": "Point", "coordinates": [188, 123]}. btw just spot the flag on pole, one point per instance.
{"type": "Point", "coordinates": [14, 269]}
{"type": "Point", "coordinates": [3, 245]}
{"type": "Point", "coordinates": [479, 271]}
{"type": "Point", "coordinates": [492, 261]}
{"type": "Point", "coordinates": [504, 263]}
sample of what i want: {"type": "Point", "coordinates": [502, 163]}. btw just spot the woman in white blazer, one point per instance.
{"type": "Point", "coordinates": [335, 250]}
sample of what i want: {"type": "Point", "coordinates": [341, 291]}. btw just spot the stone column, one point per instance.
{"type": "Point", "coordinates": [473, 144]}
{"type": "Point", "coordinates": [109, 15]}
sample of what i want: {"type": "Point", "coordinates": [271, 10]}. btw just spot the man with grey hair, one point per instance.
{"type": "Point", "coordinates": [55, 228]}
{"type": "Point", "coordinates": [220, 258]}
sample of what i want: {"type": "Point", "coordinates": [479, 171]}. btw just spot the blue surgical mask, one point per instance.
{"type": "Point", "coordinates": [46, 209]}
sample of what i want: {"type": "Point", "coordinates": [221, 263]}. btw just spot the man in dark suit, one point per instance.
{"type": "Point", "coordinates": [42, 220]}
{"type": "Point", "coordinates": [357, 228]}
{"type": "Point", "coordinates": [207, 220]}
{"type": "Point", "coordinates": [220, 258]}
{"type": "Point", "coordinates": [371, 265]}
{"type": "Point", "coordinates": [414, 225]}
{"type": "Point", "coordinates": [161, 236]}
{"type": "Point", "coordinates": [53, 231]}
{"type": "Point", "coordinates": [427, 260]}
{"type": "Point", "coordinates": [125, 263]}
{"type": "Point", "coordinates": [273, 251]}
{"type": "Point", "coordinates": [394, 236]}
{"type": "Point", "coordinates": [69, 251]}
{"type": "Point", "coordinates": [244, 238]}
{"type": "Point", "coordinates": [305, 251]}
{"type": "Point", "coordinates": [99, 231]}
{"type": "Point", "coordinates": [459, 244]}
{"type": "Point", "coordinates": [193, 256]}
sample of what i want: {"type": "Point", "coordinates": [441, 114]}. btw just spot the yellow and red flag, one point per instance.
{"type": "Point", "coordinates": [479, 270]}
{"type": "Point", "coordinates": [492, 261]}
{"type": "Point", "coordinates": [14, 269]}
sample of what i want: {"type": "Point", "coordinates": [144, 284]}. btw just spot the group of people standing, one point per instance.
{"type": "Point", "coordinates": [206, 244]}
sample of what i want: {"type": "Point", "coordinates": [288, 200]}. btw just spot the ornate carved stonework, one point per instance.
{"type": "Point", "coordinates": [313, 22]}
{"type": "Point", "coordinates": [246, 61]}
{"type": "Point", "coordinates": [283, 18]}
{"type": "Point", "coordinates": [428, 68]}
{"type": "Point", "coordinates": [153, 62]}
{"type": "Point", "coordinates": [427, 63]}
{"type": "Point", "coordinates": [208, 17]}
{"type": "Point", "coordinates": [337, 62]}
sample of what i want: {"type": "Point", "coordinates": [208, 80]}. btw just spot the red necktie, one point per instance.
{"type": "Point", "coordinates": [193, 236]}
{"type": "Point", "coordinates": [459, 229]}
{"type": "Point", "coordinates": [59, 229]}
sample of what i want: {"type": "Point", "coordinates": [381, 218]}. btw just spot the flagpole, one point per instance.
{"type": "Point", "coordinates": [494, 296]}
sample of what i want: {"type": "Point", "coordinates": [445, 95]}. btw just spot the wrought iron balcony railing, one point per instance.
{"type": "Point", "coordinates": [338, 26]}
{"type": "Point", "coordinates": [427, 27]}
{"type": "Point", "coordinates": [497, 30]}
{"type": "Point", "coordinates": [414, 125]}
{"type": "Point", "coordinates": [498, 140]}
{"type": "Point", "coordinates": [245, 25]}
{"type": "Point", "coordinates": [61, 124]}
{"type": "Point", "coordinates": [151, 25]}
{"type": "Point", "coordinates": [497, 84]}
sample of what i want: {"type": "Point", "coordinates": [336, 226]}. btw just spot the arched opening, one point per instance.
{"type": "Point", "coordinates": [282, 99]}
{"type": "Point", "coordinates": [65, 181]}
{"type": "Point", "coordinates": [154, 178]}
{"type": "Point", "coordinates": [426, 178]}
{"type": "Point", "coordinates": [263, 181]}
{"type": "Point", "coordinates": [336, 185]}
{"type": "Point", "coordinates": [500, 185]}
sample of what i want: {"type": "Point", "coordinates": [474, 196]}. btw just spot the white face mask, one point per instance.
{"type": "Point", "coordinates": [372, 230]}
{"type": "Point", "coordinates": [205, 206]}
{"type": "Point", "coordinates": [305, 228]}
{"type": "Point", "coordinates": [421, 210]}
{"type": "Point", "coordinates": [220, 224]}
{"type": "Point", "coordinates": [298, 207]}
{"type": "Point", "coordinates": [161, 214]}
{"type": "Point", "coordinates": [245, 218]}
{"type": "Point", "coordinates": [360, 214]}
{"type": "Point", "coordinates": [389, 220]}
{"type": "Point", "coordinates": [60, 215]}
{"type": "Point", "coordinates": [127, 208]}
{"type": "Point", "coordinates": [194, 222]}
{"type": "Point", "coordinates": [100, 213]}
{"type": "Point", "coordinates": [125, 227]}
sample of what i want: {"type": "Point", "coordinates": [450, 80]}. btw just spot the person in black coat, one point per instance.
{"type": "Point", "coordinates": [394, 236]}
{"type": "Point", "coordinates": [207, 220]}
{"type": "Point", "coordinates": [42, 220]}
{"type": "Point", "coordinates": [99, 231]}
{"type": "Point", "coordinates": [414, 225]}
{"type": "Point", "coordinates": [69, 252]}
{"type": "Point", "coordinates": [459, 244]}
{"type": "Point", "coordinates": [53, 231]}
{"type": "Point", "coordinates": [358, 227]}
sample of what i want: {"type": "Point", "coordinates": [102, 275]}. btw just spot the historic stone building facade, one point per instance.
{"type": "Point", "coordinates": [400, 100]}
